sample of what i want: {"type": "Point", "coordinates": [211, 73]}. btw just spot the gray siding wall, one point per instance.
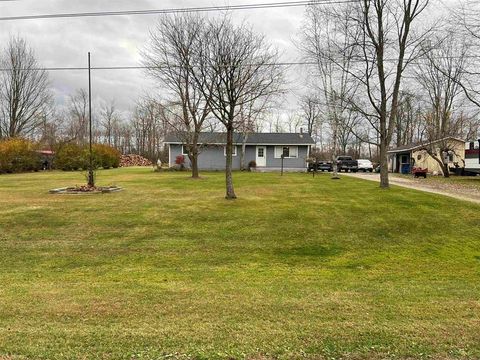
{"type": "Point", "coordinates": [212, 158]}
{"type": "Point", "coordinates": [293, 163]}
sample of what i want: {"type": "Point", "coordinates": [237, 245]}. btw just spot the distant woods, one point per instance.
{"type": "Point", "coordinates": [375, 74]}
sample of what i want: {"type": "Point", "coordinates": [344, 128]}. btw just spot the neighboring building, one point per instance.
{"type": "Point", "coordinates": [265, 149]}
{"type": "Point", "coordinates": [472, 156]}
{"type": "Point", "coordinates": [404, 158]}
{"type": "Point", "coordinates": [46, 158]}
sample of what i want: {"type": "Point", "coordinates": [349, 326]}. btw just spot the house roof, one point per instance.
{"type": "Point", "coordinates": [252, 138]}
{"type": "Point", "coordinates": [418, 145]}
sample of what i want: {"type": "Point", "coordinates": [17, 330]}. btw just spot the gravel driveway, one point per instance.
{"type": "Point", "coordinates": [452, 189]}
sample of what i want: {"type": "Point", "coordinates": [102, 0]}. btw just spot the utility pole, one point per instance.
{"type": "Point", "coordinates": [91, 180]}
{"type": "Point", "coordinates": [333, 100]}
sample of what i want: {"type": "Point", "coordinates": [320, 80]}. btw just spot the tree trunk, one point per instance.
{"type": "Point", "coordinates": [193, 154]}
{"type": "Point", "coordinates": [194, 163]}
{"type": "Point", "coordinates": [230, 195]}
{"type": "Point", "coordinates": [439, 160]}
{"type": "Point", "coordinates": [384, 183]}
{"type": "Point", "coordinates": [446, 171]}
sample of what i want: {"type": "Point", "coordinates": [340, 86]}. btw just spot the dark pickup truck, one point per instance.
{"type": "Point", "coordinates": [346, 163]}
{"type": "Point", "coordinates": [320, 165]}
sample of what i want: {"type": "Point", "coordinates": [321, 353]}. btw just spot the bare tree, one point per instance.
{"type": "Point", "coordinates": [150, 126]}
{"type": "Point", "coordinates": [49, 133]}
{"type": "Point", "coordinates": [466, 27]}
{"type": "Point", "coordinates": [109, 118]}
{"type": "Point", "coordinates": [238, 67]}
{"type": "Point", "coordinates": [77, 117]}
{"type": "Point", "coordinates": [328, 40]}
{"type": "Point", "coordinates": [311, 112]}
{"type": "Point", "coordinates": [410, 126]}
{"type": "Point", "coordinates": [386, 46]}
{"type": "Point", "coordinates": [24, 90]}
{"type": "Point", "coordinates": [440, 74]}
{"type": "Point", "coordinates": [172, 57]}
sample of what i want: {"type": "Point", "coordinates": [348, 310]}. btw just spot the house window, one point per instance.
{"type": "Point", "coordinates": [472, 145]}
{"type": "Point", "coordinates": [451, 156]}
{"type": "Point", "coordinates": [288, 151]}
{"type": "Point", "coordinates": [419, 157]}
{"type": "Point", "coordinates": [184, 150]}
{"type": "Point", "coordinates": [234, 151]}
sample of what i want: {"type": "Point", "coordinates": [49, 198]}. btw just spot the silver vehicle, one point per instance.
{"type": "Point", "coordinates": [365, 165]}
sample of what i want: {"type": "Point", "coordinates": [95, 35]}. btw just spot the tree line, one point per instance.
{"type": "Point", "coordinates": [379, 76]}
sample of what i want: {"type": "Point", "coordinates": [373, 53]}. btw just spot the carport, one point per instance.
{"type": "Point", "coordinates": [400, 160]}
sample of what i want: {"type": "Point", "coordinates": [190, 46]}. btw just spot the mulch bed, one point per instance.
{"type": "Point", "coordinates": [84, 189]}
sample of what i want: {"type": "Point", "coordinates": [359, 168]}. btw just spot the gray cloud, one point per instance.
{"type": "Point", "coordinates": [117, 40]}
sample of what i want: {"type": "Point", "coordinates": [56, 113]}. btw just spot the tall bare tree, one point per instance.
{"type": "Point", "coordinates": [239, 67]}
{"type": "Point", "coordinates": [410, 126]}
{"type": "Point", "coordinates": [109, 118]}
{"type": "Point", "coordinates": [311, 112]}
{"type": "Point", "coordinates": [24, 90]}
{"type": "Point", "coordinates": [172, 57]}
{"type": "Point", "coordinates": [328, 40]}
{"type": "Point", "coordinates": [440, 74]}
{"type": "Point", "coordinates": [466, 24]}
{"type": "Point", "coordinates": [387, 45]}
{"type": "Point", "coordinates": [77, 117]}
{"type": "Point", "coordinates": [150, 126]}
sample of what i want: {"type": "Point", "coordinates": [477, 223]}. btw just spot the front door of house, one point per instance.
{"type": "Point", "coordinates": [261, 159]}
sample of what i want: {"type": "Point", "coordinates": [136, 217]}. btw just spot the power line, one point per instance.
{"type": "Point", "coordinates": [137, 67]}
{"type": "Point", "coordinates": [284, 4]}
{"type": "Point", "coordinates": [140, 67]}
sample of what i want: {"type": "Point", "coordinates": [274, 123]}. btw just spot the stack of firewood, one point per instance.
{"type": "Point", "coordinates": [134, 160]}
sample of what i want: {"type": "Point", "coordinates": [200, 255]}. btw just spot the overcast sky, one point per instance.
{"type": "Point", "coordinates": [116, 40]}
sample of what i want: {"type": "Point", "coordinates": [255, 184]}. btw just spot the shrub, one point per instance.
{"type": "Point", "coordinates": [105, 156]}
{"type": "Point", "coordinates": [252, 165]}
{"type": "Point", "coordinates": [180, 160]}
{"type": "Point", "coordinates": [17, 155]}
{"type": "Point", "coordinates": [70, 157]}
{"type": "Point", "coordinates": [75, 157]}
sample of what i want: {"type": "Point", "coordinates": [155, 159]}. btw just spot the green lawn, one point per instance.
{"type": "Point", "coordinates": [295, 268]}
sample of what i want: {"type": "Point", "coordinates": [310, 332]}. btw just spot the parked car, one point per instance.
{"type": "Point", "coordinates": [321, 165]}
{"type": "Point", "coordinates": [365, 165]}
{"type": "Point", "coordinates": [346, 163]}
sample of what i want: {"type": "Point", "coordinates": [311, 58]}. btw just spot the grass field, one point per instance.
{"type": "Point", "coordinates": [295, 268]}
